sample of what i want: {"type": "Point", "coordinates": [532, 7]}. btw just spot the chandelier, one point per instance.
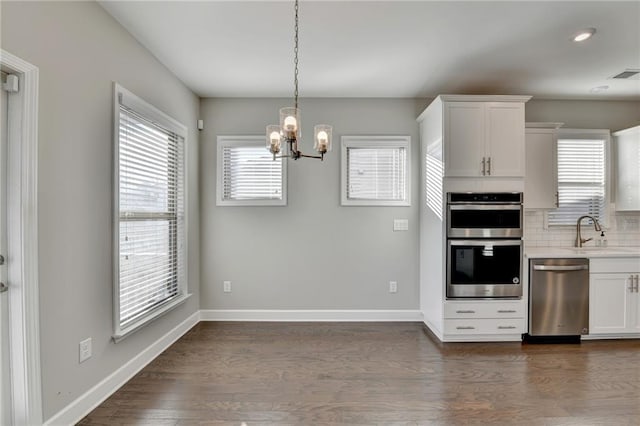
{"type": "Point", "coordinates": [288, 131]}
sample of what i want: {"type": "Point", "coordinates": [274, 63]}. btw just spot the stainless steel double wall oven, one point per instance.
{"type": "Point", "coordinates": [484, 245]}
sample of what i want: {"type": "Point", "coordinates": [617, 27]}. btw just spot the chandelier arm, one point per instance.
{"type": "Point", "coordinates": [319, 157]}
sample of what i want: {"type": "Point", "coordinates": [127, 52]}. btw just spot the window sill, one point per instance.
{"type": "Point", "coordinates": [161, 310]}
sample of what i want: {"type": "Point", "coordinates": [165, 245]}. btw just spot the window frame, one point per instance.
{"type": "Point", "coordinates": [124, 97]}
{"type": "Point", "coordinates": [246, 141]}
{"type": "Point", "coordinates": [593, 134]}
{"type": "Point", "coordinates": [374, 142]}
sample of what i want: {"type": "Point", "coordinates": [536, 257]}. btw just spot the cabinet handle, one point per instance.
{"type": "Point", "coordinates": [466, 327]}
{"type": "Point", "coordinates": [465, 312]}
{"type": "Point", "coordinates": [506, 311]}
{"type": "Point", "coordinates": [484, 167]}
{"type": "Point", "coordinates": [557, 199]}
{"type": "Point", "coordinates": [489, 166]}
{"type": "Point", "coordinates": [506, 327]}
{"type": "Point", "coordinates": [637, 283]}
{"type": "Point", "coordinates": [632, 286]}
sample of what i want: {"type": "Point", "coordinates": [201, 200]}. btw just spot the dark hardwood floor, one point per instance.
{"type": "Point", "coordinates": [374, 374]}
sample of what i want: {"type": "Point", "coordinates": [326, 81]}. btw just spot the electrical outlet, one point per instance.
{"type": "Point", "coordinates": [85, 349]}
{"type": "Point", "coordinates": [226, 286]}
{"type": "Point", "coordinates": [400, 224]}
{"type": "Point", "coordinates": [393, 287]}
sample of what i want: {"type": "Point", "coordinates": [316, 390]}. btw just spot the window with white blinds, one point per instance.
{"type": "Point", "coordinates": [582, 182]}
{"type": "Point", "coordinates": [248, 174]}
{"type": "Point", "coordinates": [375, 170]}
{"type": "Point", "coordinates": [150, 213]}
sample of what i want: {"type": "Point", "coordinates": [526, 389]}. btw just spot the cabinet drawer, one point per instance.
{"type": "Point", "coordinates": [486, 309]}
{"type": "Point", "coordinates": [614, 265]}
{"type": "Point", "coordinates": [484, 326]}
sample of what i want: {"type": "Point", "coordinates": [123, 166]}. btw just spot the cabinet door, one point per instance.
{"type": "Point", "coordinates": [610, 304]}
{"type": "Point", "coordinates": [505, 138]}
{"type": "Point", "coordinates": [541, 173]}
{"type": "Point", "coordinates": [464, 133]}
{"type": "Point", "coordinates": [628, 176]}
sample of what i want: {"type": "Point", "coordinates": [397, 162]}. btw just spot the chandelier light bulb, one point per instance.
{"type": "Point", "coordinates": [323, 137]}
{"type": "Point", "coordinates": [275, 137]}
{"type": "Point", "coordinates": [290, 124]}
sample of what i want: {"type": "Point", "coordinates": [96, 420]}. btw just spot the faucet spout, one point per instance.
{"type": "Point", "coordinates": [579, 239]}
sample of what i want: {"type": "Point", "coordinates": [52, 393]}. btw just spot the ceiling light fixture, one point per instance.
{"type": "Point", "coordinates": [289, 128]}
{"type": "Point", "coordinates": [599, 89]}
{"type": "Point", "coordinates": [583, 35]}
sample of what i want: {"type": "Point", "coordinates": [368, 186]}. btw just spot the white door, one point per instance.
{"type": "Point", "coordinates": [5, 378]}
{"type": "Point", "coordinates": [609, 303]}
{"type": "Point", "coordinates": [505, 139]}
{"type": "Point", "coordinates": [464, 138]}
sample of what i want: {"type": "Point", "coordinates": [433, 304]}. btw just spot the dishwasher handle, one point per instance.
{"type": "Point", "coordinates": [560, 268]}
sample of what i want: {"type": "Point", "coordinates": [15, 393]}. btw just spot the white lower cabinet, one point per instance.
{"type": "Point", "coordinates": [614, 298]}
{"type": "Point", "coordinates": [484, 320]}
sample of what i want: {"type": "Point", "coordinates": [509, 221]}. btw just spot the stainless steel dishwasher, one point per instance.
{"type": "Point", "coordinates": [558, 297]}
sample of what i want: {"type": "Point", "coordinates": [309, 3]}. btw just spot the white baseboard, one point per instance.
{"type": "Point", "coordinates": [83, 405]}
{"type": "Point", "coordinates": [309, 315]}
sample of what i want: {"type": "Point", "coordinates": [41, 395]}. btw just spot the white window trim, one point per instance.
{"type": "Point", "coordinates": [604, 134]}
{"type": "Point", "coordinates": [122, 95]}
{"type": "Point", "coordinates": [374, 142]}
{"type": "Point", "coordinates": [234, 141]}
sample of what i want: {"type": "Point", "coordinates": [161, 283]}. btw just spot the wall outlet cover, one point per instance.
{"type": "Point", "coordinates": [85, 350]}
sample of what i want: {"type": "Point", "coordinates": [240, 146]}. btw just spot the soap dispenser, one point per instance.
{"type": "Point", "coordinates": [602, 241]}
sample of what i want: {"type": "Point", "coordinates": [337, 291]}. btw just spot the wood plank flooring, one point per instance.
{"type": "Point", "coordinates": [374, 374]}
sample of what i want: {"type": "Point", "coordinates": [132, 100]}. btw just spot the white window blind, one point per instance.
{"type": "Point", "coordinates": [248, 174]}
{"type": "Point", "coordinates": [151, 215]}
{"type": "Point", "coordinates": [581, 180]}
{"type": "Point", "coordinates": [376, 171]}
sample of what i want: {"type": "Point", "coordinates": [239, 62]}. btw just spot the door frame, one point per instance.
{"type": "Point", "coordinates": [22, 236]}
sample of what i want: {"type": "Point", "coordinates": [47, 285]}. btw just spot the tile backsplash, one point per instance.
{"type": "Point", "coordinates": [623, 230]}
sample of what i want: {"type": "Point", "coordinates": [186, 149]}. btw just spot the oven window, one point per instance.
{"type": "Point", "coordinates": [485, 264]}
{"type": "Point", "coordinates": [485, 219]}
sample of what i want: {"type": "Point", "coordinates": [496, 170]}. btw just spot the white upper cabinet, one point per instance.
{"type": "Point", "coordinates": [483, 136]}
{"type": "Point", "coordinates": [541, 180]}
{"type": "Point", "coordinates": [628, 169]}
{"type": "Point", "coordinates": [464, 134]}
{"type": "Point", "coordinates": [504, 148]}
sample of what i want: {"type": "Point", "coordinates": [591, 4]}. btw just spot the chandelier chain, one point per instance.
{"type": "Point", "coordinates": [295, 60]}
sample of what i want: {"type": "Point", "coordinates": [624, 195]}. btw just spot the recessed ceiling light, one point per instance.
{"type": "Point", "coordinates": [583, 35]}
{"type": "Point", "coordinates": [599, 89]}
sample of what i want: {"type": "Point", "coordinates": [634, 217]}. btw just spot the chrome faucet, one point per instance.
{"type": "Point", "coordinates": [579, 239]}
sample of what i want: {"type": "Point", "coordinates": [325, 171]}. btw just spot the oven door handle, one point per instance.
{"type": "Point", "coordinates": [485, 206]}
{"type": "Point", "coordinates": [485, 242]}
{"type": "Point", "coordinates": [560, 268]}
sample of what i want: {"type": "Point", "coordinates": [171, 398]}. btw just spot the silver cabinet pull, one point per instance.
{"type": "Point", "coordinates": [506, 311]}
{"type": "Point", "coordinates": [3, 287]}
{"type": "Point", "coordinates": [637, 286]}
{"type": "Point", "coordinates": [465, 327]}
{"type": "Point", "coordinates": [506, 327]}
{"type": "Point", "coordinates": [632, 286]}
{"type": "Point", "coordinates": [557, 199]}
{"type": "Point", "coordinates": [1, 260]}
{"type": "Point", "coordinates": [489, 166]}
{"type": "Point", "coordinates": [484, 167]}
{"type": "Point", "coordinates": [465, 312]}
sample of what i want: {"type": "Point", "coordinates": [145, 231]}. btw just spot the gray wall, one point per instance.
{"type": "Point", "coordinates": [612, 115]}
{"type": "Point", "coordinates": [80, 50]}
{"type": "Point", "coordinates": [313, 253]}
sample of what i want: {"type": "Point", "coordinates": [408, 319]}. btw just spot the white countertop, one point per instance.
{"type": "Point", "coordinates": [588, 252]}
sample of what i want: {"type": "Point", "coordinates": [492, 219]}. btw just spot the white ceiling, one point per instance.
{"type": "Point", "coordinates": [391, 48]}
